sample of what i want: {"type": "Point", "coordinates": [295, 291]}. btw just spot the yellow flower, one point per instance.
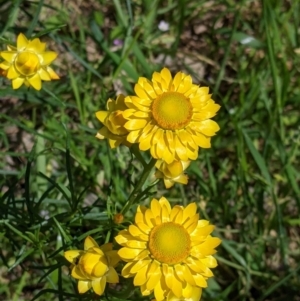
{"type": "Point", "coordinates": [172, 173]}
{"type": "Point", "coordinates": [93, 266]}
{"type": "Point", "coordinates": [170, 116]}
{"type": "Point", "coordinates": [28, 63]}
{"type": "Point", "coordinates": [113, 121]}
{"type": "Point", "coordinates": [168, 250]}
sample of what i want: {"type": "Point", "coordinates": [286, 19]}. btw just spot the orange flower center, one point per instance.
{"type": "Point", "coordinates": [169, 243]}
{"type": "Point", "coordinates": [172, 110]}
{"type": "Point", "coordinates": [27, 63]}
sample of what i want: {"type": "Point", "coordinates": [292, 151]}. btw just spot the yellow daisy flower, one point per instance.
{"type": "Point", "coordinates": [172, 173]}
{"type": "Point", "coordinates": [168, 250]}
{"type": "Point", "coordinates": [93, 266]}
{"type": "Point", "coordinates": [170, 116]}
{"type": "Point", "coordinates": [28, 63]}
{"type": "Point", "coordinates": [113, 121]}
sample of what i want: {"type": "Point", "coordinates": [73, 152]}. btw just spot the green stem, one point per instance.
{"type": "Point", "coordinates": [134, 194]}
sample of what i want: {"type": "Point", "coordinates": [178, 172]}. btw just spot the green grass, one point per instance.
{"type": "Point", "coordinates": [60, 184]}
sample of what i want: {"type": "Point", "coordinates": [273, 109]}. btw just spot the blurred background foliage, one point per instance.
{"type": "Point", "coordinates": [59, 183]}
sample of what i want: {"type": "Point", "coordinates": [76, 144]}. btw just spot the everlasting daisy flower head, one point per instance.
{"type": "Point", "coordinates": [170, 116]}
{"type": "Point", "coordinates": [172, 173]}
{"type": "Point", "coordinates": [113, 121]}
{"type": "Point", "coordinates": [28, 63]}
{"type": "Point", "coordinates": [168, 251]}
{"type": "Point", "coordinates": [93, 266]}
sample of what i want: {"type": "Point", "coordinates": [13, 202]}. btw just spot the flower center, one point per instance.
{"type": "Point", "coordinates": [172, 110]}
{"type": "Point", "coordinates": [169, 243]}
{"type": "Point", "coordinates": [27, 63]}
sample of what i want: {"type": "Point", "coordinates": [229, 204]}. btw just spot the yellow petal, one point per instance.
{"type": "Point", "coordinates": [138, 265]}
{"type": "Point", "coordinates": [153, 280]}
{"type": "Point", "coordinates": [140, 92]}
{"type": "Point", "coordinates": [113, 256]}
{"type": "Point", "coordinates": [88, 261]}
{"type": "Point", "coordinates": [200, 280]}
{"type": "Point", "coordinates": [202, 231]}
{"type": "Point", "coordinates": [145, 144]}
{"type": "Point", "coordinates": [159, 292]}
{"type": "Point", "coordinates": [144, 254]}
{"type": "Point", "coordinates": [164, 202]}
{"type": "Point", "coordinates": [167, 77]}
{"type": "Point", "coordinates": [99, 285]}
{"type": "Point", "coordinates": [78, 274]}
{"type": "Point", "coordinates": [35, 81]}
{"type": "Point", "coordinates": [168, 183]}
{"type": "Point", "coordinates": [4, 65]}
{"type": "Point", "coordinates": [209, 127]}
{"type": "Point", "coordinates": [36, 45]}
{"type": "Point", "coordinates": [165, 217]}
{"type": "Point", "coordinates": [208, 246]}
{"type": "Point", "coordinates": [175, 211]}
{"type": "Point", "coordinates": [89, 242]}
{"type": "Point", "coordinates": [177, 286]}
{"type": "Point", "coordinates": [9, 56]}
{"type": "Point", "coordinates": [209, 261]}
{"type": "Point", "coordinates": [126, 270]}
{"type": "Point", "coordinates": [189, 211]}
{"type": "Point", "coordinates": [135, 244]}
{"type": "Point", "coordinates": [188, 277]}
{"type": "Point", "coordinates": [123, 237]}
{"type": "Point", "coordinates": [179, 269]}
{"type": "Point", "coordinates": [202, 140]}
{"type": "Point", "coordinates": [17, 82]}
{"type": "Point", "coordinates": [168, 275]}
{"type": "Point", "coordinates": [149, 89]}
{"type": "Point", "coordinates": [144, 227]}
{"type": "Point", "coordinates": [141, 276]}
{"type": "Point", "coordinates": [155, 207]}
{"type": "Point", "coordinates": [71, 255]}
{"type": "Point", "coordinates": [12, 72]}
{"type": "Point", "coordinates": [52, 74]}
{"type": "Point", "coordinates": [135, 124]}
{"type": "Point", "coordinates": [84, 286]}
{"type": "Point", "coordinates": [133, 136]}
{"type": "Point", "coordinates": [127, 253]}
{"type": "Point", "coordinates": [149, 217]}
{"type": "Point", "coordinates": [48, 57]}
{"type": "Point", "coordinates": [135, 231]}
{"type": "Point", "coordinates": [107, 247]}
{"type": "Point", "coordinates": [44, 74]}
{"type": "Point", "coordinates": [100, 269]}
{"type": "Point", "coordinates": [178, 218]}
{"type": "Point", "coordinates": [144, 290]}
{"type": "Point", "coordinates": [112, 276]}
{"type": "Point", "coordinates": [21, 41]}
{"type": "Point", "coordinates": [177, 80]}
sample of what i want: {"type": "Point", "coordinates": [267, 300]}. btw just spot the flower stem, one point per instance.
{"type": "Point", "coordinates": [135, 192]}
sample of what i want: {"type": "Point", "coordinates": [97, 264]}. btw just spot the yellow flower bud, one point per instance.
{"type": "Point", "coordinates": [172, 173]}
{"type": "Point", "coordinates": [93, 266]}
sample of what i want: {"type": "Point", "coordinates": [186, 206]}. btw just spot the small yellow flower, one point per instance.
{"type": "Point", "coordinates": [168, 251]}
{"type": "Point", "coordinates": [172, 173]}
{"type": "Point", "coordinates": [28, 63]}
{"type": "Point", "coordinates": [93, 266]}
{"type": "Point", "coordinates": [170, 116]}
{"type": "Point", "coordinates": [113, 121]}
